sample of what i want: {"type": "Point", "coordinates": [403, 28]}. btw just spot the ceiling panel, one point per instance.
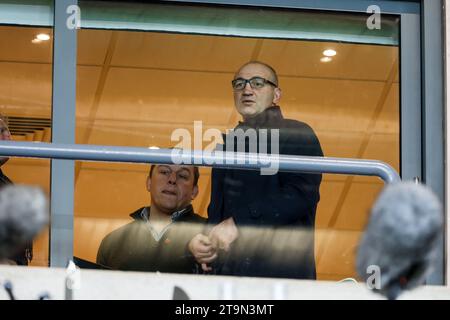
{"type": "Point", "coordinates": [384, 147]}
{"type": "Point", "coordinates": [29, 171]}
{"type": "Point", "coordinates": [352, 61]}
{"type": "Point", "coordinates": [330, 193]}
{"type": "Point", "coordinates": [87, 82]}
{"type": "Point", "coordinates": [92, 46]}
{"type": "Point", "coordinates": [26, 89]}
{"type": "Point", "coordinates": [330, 105]}
{"type": "Point", "coordinates": [355, 209]}
{"type": "Point", "coordinates": [166, 97]}
{"type": "Point", "coordinates": [340, 144]}
{"type": "Point", "coordinates": [138, 134]}
{"type": "Point", "coordinates": [112, 197]}
{"type": "Point", "coordinates": [389, 118]}
{"type": "Point", "coordinates": [17, 46]}
{"type": "Point", "coordinates": [180, 51]}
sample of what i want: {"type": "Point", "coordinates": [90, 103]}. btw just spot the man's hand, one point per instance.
{"type": "Point", "coordinates": [203, 250]}
{"type": "Point", "coordinates": [224, 234]}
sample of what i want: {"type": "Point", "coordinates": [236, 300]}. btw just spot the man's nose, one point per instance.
{"type": "Point", "coordinates": [173, 178]}
{"type": "Point", "coordinates": [248, 90]}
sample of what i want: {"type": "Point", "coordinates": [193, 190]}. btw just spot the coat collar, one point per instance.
{"type": "Point", "coordinates": [143, 214]}
{"type": "Point", "coordinates": [267, 118]}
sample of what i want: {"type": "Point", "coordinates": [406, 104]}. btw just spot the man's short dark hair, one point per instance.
{"type": "Point", "coordinates": [196, 173]}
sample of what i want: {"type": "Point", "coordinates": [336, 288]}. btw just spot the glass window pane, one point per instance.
{"type": "Point", "coordinates": [135, 88]}
{"type": "Point", "coordinates": [26, 98]}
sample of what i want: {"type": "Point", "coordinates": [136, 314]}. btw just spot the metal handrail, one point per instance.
{"type": "Point", "coordinates": [250, 161]}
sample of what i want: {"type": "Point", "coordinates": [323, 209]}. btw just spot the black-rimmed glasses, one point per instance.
{"type": "Point", "coordinates": [255, 83]}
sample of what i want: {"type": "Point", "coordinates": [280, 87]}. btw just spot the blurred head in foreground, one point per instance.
{"type": "Point", "coordinates": [401, 239]}
{"type": "Point", "coordinates": [23, 214]}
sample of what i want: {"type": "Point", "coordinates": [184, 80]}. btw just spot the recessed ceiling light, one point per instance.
{"type": "Point", "coordinates": [154, 147]}
{"type": "Point", "coordinates": [325, 59]}
{"type": "Point", "coordinates": [43, 37]}
{"type": "Point", "coordinates": [329, 53]}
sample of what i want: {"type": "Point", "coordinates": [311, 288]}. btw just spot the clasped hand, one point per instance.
{"type": "Point", "coordinates": [205, 248]}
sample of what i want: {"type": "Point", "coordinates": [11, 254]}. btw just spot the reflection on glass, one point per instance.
{"type": "Point", "coordinates": [136, 89]}
{"type": "Point", "coordinates": [25, 98]}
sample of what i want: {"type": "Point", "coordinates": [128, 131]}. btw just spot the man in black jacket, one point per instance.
{"type": "Point", "coordinates": [263, 224]}
{"type": "Point", "coordinates": [157, 238]}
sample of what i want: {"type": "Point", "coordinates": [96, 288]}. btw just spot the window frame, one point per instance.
{"type": "Point", "coordinates": [421, 102]}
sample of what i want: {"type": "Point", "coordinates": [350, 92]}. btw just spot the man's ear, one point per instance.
{"type": "Point", "coordinates": [276, 96]}
{"type": "Point", "coordinates": [194, 192]}
{"type": "Point", "coordinates": [148, 183]}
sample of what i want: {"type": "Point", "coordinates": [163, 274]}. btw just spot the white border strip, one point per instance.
{"type": "Point", "coordinates": [27, 14]}
{"type": "Point", "coordinates": [237, 32]}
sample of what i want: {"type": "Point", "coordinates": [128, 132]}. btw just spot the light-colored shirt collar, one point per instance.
{"type": "Point", "coordinates": [145, 215]}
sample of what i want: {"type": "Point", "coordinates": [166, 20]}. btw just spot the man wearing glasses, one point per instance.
{"type": "Point", "coordinates": [263, 224]}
